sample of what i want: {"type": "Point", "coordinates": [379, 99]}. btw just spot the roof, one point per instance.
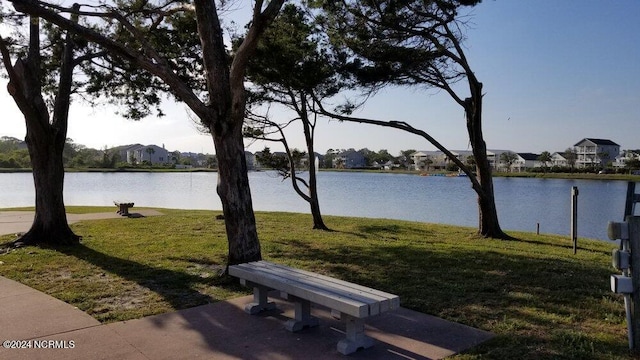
{"type": "Point", "coordinates": [598, 142]}
{"type": "Point", "coordinates": [529, 156]}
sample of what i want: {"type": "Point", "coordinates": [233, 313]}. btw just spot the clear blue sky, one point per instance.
{"type": "Point", "coordinates": [554, 72]}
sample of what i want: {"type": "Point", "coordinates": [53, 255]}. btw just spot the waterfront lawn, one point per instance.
{"type": "Point", "coordinates": [537, 297]}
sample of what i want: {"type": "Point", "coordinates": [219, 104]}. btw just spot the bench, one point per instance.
{"type": "Point", "coordinates": [123, 207]}
{"type": "Point", "coordinates": [350, 302]}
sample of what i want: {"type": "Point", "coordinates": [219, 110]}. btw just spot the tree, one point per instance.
{"type": "Point", "coordinates": [544, 158]}
{"type": "Point", "coordinates": [427, 162]}
{"type": "Point", "coordinates": [406, 157]}
{"type": "Point", "coordinates": [290, 69]}
{"type": "Point", "coordinates": [132, 159]}
{"type": "Point", "coordinates": [109, 158]}
{"type": "Point", "coordinates": [150, 151]}
{"type": "Point", "coordinates": [571, 156]}
{"type": "Point", "coordinates": [381, 157]}
{"type": "Point", "coordinates": [211, 162]}
{"type": "Point", "coordinates": [417, 43]}
{"type": "Point", "coordinates": [632, 164]}
{"type": "Point", "coordinates": [29, 78]}
{"type": "Point", "coordinates": [508, 158]}
{"type": "Point", "coordinates": [328, 159]}
{"type": "Point", "coordinates": [212, 87]}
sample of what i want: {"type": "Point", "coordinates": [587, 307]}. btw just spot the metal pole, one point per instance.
{"type": "Point", "coordinates": [574, 218]}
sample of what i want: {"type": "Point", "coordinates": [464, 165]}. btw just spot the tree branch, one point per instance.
{"type": "Point", "coordinates": [179, 88]}
{"type": "Point", "coordinates": [401, 125]}
{"type": "Point", "coordinates": [13, 76]}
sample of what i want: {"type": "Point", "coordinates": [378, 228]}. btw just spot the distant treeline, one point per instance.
{"type": "Point", "coordinates": [14, 155]}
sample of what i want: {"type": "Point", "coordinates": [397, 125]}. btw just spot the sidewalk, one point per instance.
{"type": "Point", "coordinates": [215, 331]}
{"type": "Point", "coordinates": [13, 222]}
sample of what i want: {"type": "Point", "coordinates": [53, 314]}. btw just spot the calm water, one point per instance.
{"type": "Point", "coordinates": [522, 203]}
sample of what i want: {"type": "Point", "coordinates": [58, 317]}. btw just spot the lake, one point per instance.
{"type": "Point", "coordinates": [522, 202]}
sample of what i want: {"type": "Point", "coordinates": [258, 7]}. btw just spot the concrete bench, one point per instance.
{"type": "Point", "coordinates": [123, 207]}
{"type": "Point", "coordinates": [351, 302]}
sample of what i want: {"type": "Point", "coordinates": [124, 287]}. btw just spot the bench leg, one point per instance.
{"type": "Point", "coordinates": [356, 339]}
{"type": "Point", "coordinates": [303, 316]}
{"type": "Point", "coordinates": [260, 301]}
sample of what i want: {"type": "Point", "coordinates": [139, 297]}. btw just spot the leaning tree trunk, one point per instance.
{"type": "Point", "coordinates": [487, 213]}
{"type": "Point", "coordinates": [318, 223]}
{"type": "Point", "coordinates": [235, 195]}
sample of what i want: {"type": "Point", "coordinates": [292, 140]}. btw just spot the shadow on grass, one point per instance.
{"type": "Point", "coordinates": [568, 245]}
{"type": "Point", "coordinates": [542, 303]}
{"type": "Point", "coordinates": [175, 287]}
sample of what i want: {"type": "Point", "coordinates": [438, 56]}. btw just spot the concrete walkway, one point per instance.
{"type": "Point", "coordinates": [215, 331]}
{"type": "Point", "coordinates": [222, 330]}
{"type": "Point", "coordinates": [13, 222]}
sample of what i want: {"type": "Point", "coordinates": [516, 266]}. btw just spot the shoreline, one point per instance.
{"type": "Point", "coordinates": [566, 176]}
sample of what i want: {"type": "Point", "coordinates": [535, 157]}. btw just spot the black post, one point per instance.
{"type": "Point", "coordinates": [574, 218]}
{"type": "Point", "coordinates": [631, 199]}
{"type": "Point", "coordinates": [634, 242]}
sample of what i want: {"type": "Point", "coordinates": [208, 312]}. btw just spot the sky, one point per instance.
{"type": "Point", "coordinates": [554, 72]}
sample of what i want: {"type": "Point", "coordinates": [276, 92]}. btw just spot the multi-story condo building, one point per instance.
{"type": "Point", "coordinates": [595, 152]}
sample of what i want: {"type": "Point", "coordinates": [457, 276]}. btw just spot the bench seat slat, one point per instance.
{"type": "Point", "coordinates": [304, 291]}
{"type": "Point", "coordinates": [343, 296]}
{"type": "Point", "coordinates": [387, 301]}
{"type": "Point", "coordinates": [377, 303]}
{"type": "Point", "coordinates": [340, 291]}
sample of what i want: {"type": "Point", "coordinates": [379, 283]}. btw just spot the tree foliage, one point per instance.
{"type": "Point", "coordinates": [416, 43]}
{"type": "Point", "coordinates": [545, 158]}
{"type": "Point", "coordinates": [571, 156]}
{"type": "Point", "coordinates": [508, 158]}
{"type": "Point", "coordinates": [214, 92]}
{"type": "Point", "coordinates": [292, 69]}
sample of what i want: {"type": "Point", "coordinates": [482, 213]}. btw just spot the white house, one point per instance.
{"type": "Point", "coordinates": [526, 161]}
{"type": "Point", "coordinates": [493, 156]}
{"type": "Point", "coordinates": [559, 159]}
{"type": "Point", "coordinates": [151, 153]}
{"type": "Point", "coordinates": [425, 160]}
{"type": "Point", "coordinates": [438, 160]}
{"type": "Point", "coordinates": [626, 155]}
{"type": "Point", "coordinates": [595, 152]}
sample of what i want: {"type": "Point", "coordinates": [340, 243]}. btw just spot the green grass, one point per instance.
{"type": "Point", "coordinates": [540, 300]}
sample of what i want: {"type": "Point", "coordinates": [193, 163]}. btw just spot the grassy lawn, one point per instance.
{"type": "Point", "coordinates": [542, 301]}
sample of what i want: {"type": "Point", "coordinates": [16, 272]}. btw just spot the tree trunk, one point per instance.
{"type": "Point", "coordinates": [318, 223]}
{"type": "Point", "coordinates": [487, 213]}
{"type": "Point", "coordinates": [45, 141]}
{"type": "Point", "coordinates": [50, 223]}
{"type": "Point", "coordinates": [235, 195]}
